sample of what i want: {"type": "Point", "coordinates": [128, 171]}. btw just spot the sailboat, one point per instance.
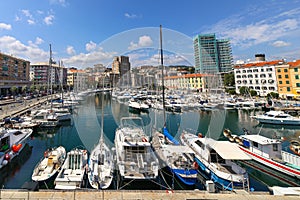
{"type": "Point", "coordinates": [176, 157]}
{"type": "Point", "coordinates": [101, 162]}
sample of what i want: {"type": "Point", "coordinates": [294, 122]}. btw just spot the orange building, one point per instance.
{"type": "Point", "coordinates": [288, 79]}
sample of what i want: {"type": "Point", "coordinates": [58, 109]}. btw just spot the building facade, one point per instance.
{"type": "Point", "coordinates": [212, 55]}
{"type": "Point", "coordinates": [14, 72]}
{"type": "Point", "coordinates": [258, 76]}
{"type": "Point", "coordinates": [288, 80]}
{"type": "Point", "coordinates": [77, 79]}
{"type": "Point", "coordinates": [44, 74]}
{"type": "Point", "coordinates": [121, 70]}
{"type": "Point", "coordinates": [188, 82]}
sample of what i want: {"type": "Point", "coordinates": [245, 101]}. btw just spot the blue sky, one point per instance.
{"type": "Point", "coordinates": [84, 33]}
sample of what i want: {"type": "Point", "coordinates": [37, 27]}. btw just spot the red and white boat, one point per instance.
{"type": "Point", "coordinates": [269, 153]}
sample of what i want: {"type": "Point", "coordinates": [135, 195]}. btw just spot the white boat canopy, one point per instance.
{"type": "Point", "coordinates": [179, 149]}
{"type": "Point", "coordinates": [231, 151]}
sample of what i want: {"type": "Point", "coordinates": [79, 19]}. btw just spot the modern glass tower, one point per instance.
{"type": "Point", "coordinates": [212, 55]}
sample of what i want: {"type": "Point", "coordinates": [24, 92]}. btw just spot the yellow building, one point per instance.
{"type": "Point", "coordinates": [288, 79]}
{"type": "Point", "coordinates": [187, 81]}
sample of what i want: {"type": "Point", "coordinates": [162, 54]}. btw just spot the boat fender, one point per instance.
{"type": "Point", "coordinates": [144, 139]}
{"type": "Point", "coordinates": [5, 162]}
{"type": "Point", "coordinates": [16, 148]}
{"type": "Point", "coordinates": [195, 165]}
{"type": "Point", "coordinates": [169, 191]}
{"type": "Point", "coordinates": [7, 157]}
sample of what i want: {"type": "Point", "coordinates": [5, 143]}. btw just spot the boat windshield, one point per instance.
{"type": "Point", "coordinates": [281, 116]}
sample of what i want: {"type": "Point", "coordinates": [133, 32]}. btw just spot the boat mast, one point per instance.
{"type": "Point", "coordinates": [162, 73]}
{"type": "Point", "coordinates": [51, 73]}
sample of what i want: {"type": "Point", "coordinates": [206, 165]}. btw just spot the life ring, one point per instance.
{"type": "Point", "coordinates": [144, 139]}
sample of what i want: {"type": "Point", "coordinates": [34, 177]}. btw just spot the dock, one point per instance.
{"type": "Point", "coordinates": [134, 194]}
{"type": "Point", "coordinates": [13, 109]}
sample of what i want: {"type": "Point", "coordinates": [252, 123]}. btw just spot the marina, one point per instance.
{"type": "Point", "coordinates": [84, 130]}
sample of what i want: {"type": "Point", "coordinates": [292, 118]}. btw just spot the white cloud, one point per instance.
{"type": "Point", "coordinates": [89, 59]}
{"type": "Point", "coordinates": [144, 41]}
{"type": "Point", "coordinates": [5, 26]}
{"type": "Point", "coordinates": [244, 34]}
{"type": "Point", "coordinates": [48, 20]}
{"type": "Point", "coordinates": [150, 56]}
{"type": "Point", "coordinates": [70, 50]}
{"type": "Point", "coordinates": [280, 43]}
{"type": "Point", "coordinates": [60, 2]}
{"type": "Point", "coordinates": [130, 16]}
{"type": "Point", "coordinates": [26, 13]}
{"type": "Point", "coordinates": [38, 40]}
{"type": "Point", "coordinates": [30, 22]}
{"type": "Point", "coordinates": [33, 53]}
{"type": "Point", "coordinates": [90, 46]}
{"type": "Point", "coordinates": [17, 18]}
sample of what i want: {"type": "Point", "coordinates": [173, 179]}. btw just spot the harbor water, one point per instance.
{"type": "Point", "coordinates": [84, 130]}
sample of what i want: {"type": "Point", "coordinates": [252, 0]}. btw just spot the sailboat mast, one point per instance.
{"type": "Point", "coordinates": [51, 73]}
{"type": "Point", "coordinates": [162, 73]}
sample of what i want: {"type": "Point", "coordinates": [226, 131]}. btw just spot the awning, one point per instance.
{"type": "Point", "coordinates": [290, 95]}
{"type": "Point", "coordinates": [228, 150]}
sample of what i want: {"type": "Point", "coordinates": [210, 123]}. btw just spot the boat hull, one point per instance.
{"type": "Point", "coordinates": [188, 176]}
{"type": "Point", "coordinates": [221, 182]}
{"type": "Point", "coordinates": [273, 164]}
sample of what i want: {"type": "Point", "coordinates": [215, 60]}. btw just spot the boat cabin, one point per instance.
{"type": "Point", "coordinates": [266, 147]}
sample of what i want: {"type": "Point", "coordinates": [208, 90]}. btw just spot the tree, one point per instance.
{"type": "Point", "coordinates": [229, 80]}
{"type": "Point", "coordinates": [230, 91]}
{"type": "Point", "coordinates": [13, 90]}
{"type": "Point", "coordinates": [32, 88]}
{"type": "Point", "coordinates": [253, 93]}
{"type": "Point", "coordinates": [274, 95]}
{"type": "Point", "coordinates": [244, 90]}
{"type": "Point", "coordinates": [24, 89]}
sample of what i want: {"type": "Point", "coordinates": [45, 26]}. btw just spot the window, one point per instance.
{"type": "Point", "coordinates": [280, 82]}
{"type": "Point", "coordinates": [288, 89]}
{"type": "Point", "coordinates": [286, 76]}
{"type": "Point", "coordinates": [255, 144]}
{"type": "Point", "coordinates": [296, 76]}
{"type": "Point", "coordinates": [297, 84]}
{"type": "Point", "coordinates": [295, 69]}
{"type": "Point", "coordinates": [285, 70]}
{"type": "Point", "coordinates": [287, 82]}
{"type": "Point", "coordinates": [261, 69]}
{"type": "Point", "coordinates": [279, 76]}
{"type": "Point", "coordinates": [278, 70]}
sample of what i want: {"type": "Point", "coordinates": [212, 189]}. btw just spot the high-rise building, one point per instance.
{"type": "Point", "coordinates": [121, 67]}
{"type": "Point", "coordinates": [43, 74]}
{"type": "Point", "coordinates": [212, 55]}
